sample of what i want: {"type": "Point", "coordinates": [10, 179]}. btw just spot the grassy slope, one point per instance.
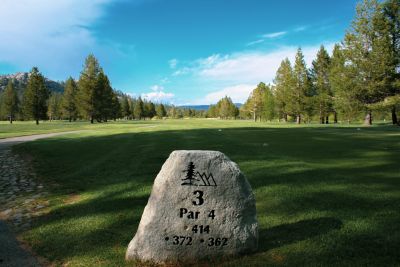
{"type": "Point", "coordinates": [326, 196]}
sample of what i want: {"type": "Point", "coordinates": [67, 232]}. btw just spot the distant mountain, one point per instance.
{"type": "Point", "coordinates": [204, 107]}
{"type": "Point", "coordinates": [21, 80]}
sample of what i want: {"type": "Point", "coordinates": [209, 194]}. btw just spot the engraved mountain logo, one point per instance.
{"type": "Point", "coordinates": [195, 178]}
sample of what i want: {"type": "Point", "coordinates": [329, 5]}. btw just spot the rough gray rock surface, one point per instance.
{"type": "Point", "coordinates": [189, 187]}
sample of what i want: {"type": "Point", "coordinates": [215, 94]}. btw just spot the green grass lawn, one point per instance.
{"type": "Point", "coordinates": [326, 195]}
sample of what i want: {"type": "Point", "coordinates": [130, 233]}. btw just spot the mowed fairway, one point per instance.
{"type": "Point", "coordinates": [326, 196]}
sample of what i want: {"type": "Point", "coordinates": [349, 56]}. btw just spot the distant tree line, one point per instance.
{"type": "Point", "coordinates": [361, 76]}
{"type": "Point", "coordinates": [91, 98]}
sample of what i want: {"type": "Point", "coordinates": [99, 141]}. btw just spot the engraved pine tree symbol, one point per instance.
{"type": "Point", "coordinates": [190, 178]}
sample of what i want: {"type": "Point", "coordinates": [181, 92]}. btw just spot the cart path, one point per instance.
{"type": "Point", "coordinates": [21, 198]}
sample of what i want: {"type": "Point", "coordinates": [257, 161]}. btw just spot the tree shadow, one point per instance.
{"type": "Point", "coordinates": [286, 234]}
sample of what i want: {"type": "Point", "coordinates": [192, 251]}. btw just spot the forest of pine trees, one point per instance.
{"type": "Point", "coordinates": [360, 80]}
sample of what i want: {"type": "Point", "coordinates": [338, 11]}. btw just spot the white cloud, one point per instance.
{"type": "Point", "coordinates": [157, 87]}
{"type": "Point", "coordinates": [54, 35]}
{"type": "Point", "coordinates": [237, 74]}
{"type": "Point", "coordinates": [158, 96]}
{"type": "Point", "coordinates": [274, 34]}
{"type": "Point", "coordinates": [300, 28]}
{"type": "Point", "coordinates": [238, 93]}
{"type": "Point", "coordinates": [172, 63]}
{"type": "Point", "coordinates": [255, 42]}
{"type": "Point", "coordinates": [181, 71]}
{"type": "Point", "coordinates": [251, 67]}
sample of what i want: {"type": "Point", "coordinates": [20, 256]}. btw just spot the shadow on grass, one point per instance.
{"type": "Point", "coordinates": [286, 234]}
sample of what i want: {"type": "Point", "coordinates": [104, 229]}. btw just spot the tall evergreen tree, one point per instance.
{"type": "Point", "coordinates": [343, 80]}
{"type": "Point", "coordinates": [284, 83]}
{"type": "Point", "coordinates": [88, 86]}
{"type": "Point", "coordinates": [299, 104]}
{"type": "Point", "coordinates": [125, 107]}
{"type": "Point", "coordinates": [54, 106]}
{"type": "Point", "coordinates": [103, 97]}
{"type": "Point", "coordinates": [10, 101]}
{"type": "Point", "coordinates": [391, 10]}
{"type": "Point", "coordinates": [149, 109]}
{"type": "Point", "coordinates": [226, 109]}
{"type": "Point", "coordinates": [69, 99]}
{"type": "Point", "coordinates": [255, 103]}
{"type": "Point", "coordinates": [320, 79]}
{"type": "Point", "coordinates": [269, 104]}
{"type": "Point", "coordinates": [368, 51]}
{"type": "Point", "coordinates": [35, 96]}
{"type": "Point", "coordinates": [116, 107]}
{"type": "Point", "coordinates": [138, 110]}
{"type": "Point", "coordinates": [160, 110]}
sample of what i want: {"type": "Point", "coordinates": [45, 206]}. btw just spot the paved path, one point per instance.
{"type": "Point", "coordinates": [21, 198]}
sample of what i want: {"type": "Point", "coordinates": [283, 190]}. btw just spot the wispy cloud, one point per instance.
{"type": "Point", "coordinates": [172, 63]}
{"type": "Point", "coordinates": [274, 35]}
{"type": "Point", "coordinates": [255, 42]}
{"type": "Point", "coordinates": [300, 28]}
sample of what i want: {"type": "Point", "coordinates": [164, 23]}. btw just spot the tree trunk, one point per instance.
{"type": "Point", "coordinates": [327, 120]}
{"type": "Point", "coordinates": [285, 117]}
{"type": "Point", "coordinates": [368, 118]}
{"type": "Point", "coordinates": [91, 119]}
{"type": "Point", "coordinates": [254, 116]}
{"type": "Point", "coordinates": [70, 119]}
{"type": "Point", "coordinates": [37, 121]}
{"type": "Point", "coordinates": [321, 116]}
{"type": "Point", "coordinates": [298, 119]}
{"type": "Point", "coordinates": [11, 120]}
{"type": "Point", "coordinates": [394, 116]}
{"type": "Point", "coordinates": [334, 117]}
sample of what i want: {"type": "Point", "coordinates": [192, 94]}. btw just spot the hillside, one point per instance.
{"type": "Point", "coordinates": [21, 80]}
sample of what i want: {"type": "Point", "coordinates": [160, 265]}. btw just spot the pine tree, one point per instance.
{"type": "Point", "coordinates": [190, 177]}
{"type": "Point", "coordinates": [269, 104]}
{"type": "Point", "coordinates": [10, 101]}
{"type": "Point", "coordinates": [320, 79]}
{"type": "Point", "coordinates": [138, 110]}
{"type": "Point", "coordinates": [255, 103]}
{"type": "Point", "coordinates": [68, 102]}
{"type": "Point", "coordinates": [125, 107]}
{"type": "Point", "coordinates": [284, 83]}
{"type": "Point", "coordinates": [368, 51]}
{"type": "Point", "coordinates": [54, 106]}
{"type": "Point", "coordinates": [226, 109]}
{"type": "Point", "coordinates": [88, 85]}
{"type": "Point", "coordinates": [35, 96]}
{"type": "Point", "coordinates": [342, 78]}
{"type": "Point", "coordinates": [149, 109]}
{"type": "Point", "coordinates": [103, 97]}
{"type": "Point", "coordinates": [299, 94]}
{"type": "Point", "coordinates": [116, 107]}
{"type": "Point", "coordinates": [391, 11]}
{"type": "Point", "coordinates": [160, 110]}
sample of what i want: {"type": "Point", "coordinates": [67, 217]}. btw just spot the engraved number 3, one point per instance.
{"type": "Point", "coordinates": [199, 195]}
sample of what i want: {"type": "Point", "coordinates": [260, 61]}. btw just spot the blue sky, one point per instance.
{"type": "Point", "coordinates": [173, 51]}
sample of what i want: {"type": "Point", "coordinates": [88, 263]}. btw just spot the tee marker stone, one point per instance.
{"type": "Point", "coordinates": [201, 207]}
